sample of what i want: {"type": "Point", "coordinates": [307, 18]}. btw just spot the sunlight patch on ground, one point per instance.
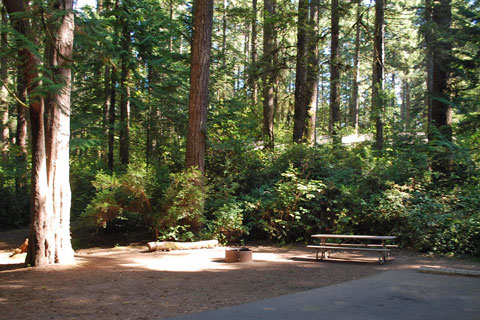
{"type": "Point", "coordinates": [198, 260]}
{"type": "Point", "coordinates": [6, 259]}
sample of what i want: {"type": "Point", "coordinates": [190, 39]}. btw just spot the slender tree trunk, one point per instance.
{"type": "Point", "coordinates": [334, 122]}
{"type": "Point", "coordinates": [224, 34]}
{"type": "Point", "coordinates": [106, 100]}
{"type": "Point", "coordinates": [20, 26]}
{"type": "Point", "coordinates": [354, 98]}
{"type": "Point", "coordinates": [4, 138]}
{"type": "Point", "coordinates": [403, 105]}
{"type": "Point", "coordinates": [301, 90]}
{"type": "Point", "coordinates": [125, 91]}
{"type": "Point", "coordinates": [312, 73]}
{"type": "Point", "coordinates": [428, 34]}
{"type": "Point", "coordinates": [58, 129]}
{"type": "Point", "coordinates": [111, 120]}
{"type": "Point", "coordinates": [269, 78]}
{"type": "Point", "coordinates": [253, 54]}
{"type": "Point", "coordinates": [408, 106]}
{"type": "Point", "coordinates": [378, 73]}
{"type": "Point", "coordinates": [199, 76]}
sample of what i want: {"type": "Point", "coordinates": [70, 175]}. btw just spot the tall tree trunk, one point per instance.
{"type": "Point", "coordinates": [378, 73]}
{"type": "Point", "coordinates": [58, 129]}
{"type": "Point", "coordinates": [312, 73]}
{"type": "Point", "coordinates": [269, 78]}
{"type": "Point", "coordinates": [440, 126]}
{"type": "Point", "coordinates": [111, 120]}
{"type": "Point", "coordinates": [4, 138]}
{"type": "Point", "coordinates": [428, 34]}
{"type": "Point", "coordinates": [253, 54]}
{"type": "Point", "coordinates": [41, 249]}
{"type": "Point", "coordinates": [301, 90]}
{"type": "Point", "coordinates": [125, 90]}
{"type": "Point", "coordinates": [404, 104]}
{"type": "Point", "coordinates": [334, 122]}
{"type": "Point", "coordinates": [224, 34]}
{"type": "Point", "coordinates": [199, 76]}
{"type": "Point", "coordinates": [106, 101]}
{"type": "Point", "coordinates": [20, 26]}
{"type": "Point", "coordinates": [408, 106]}
{"type": "Point", "coordinates": [354, 98]}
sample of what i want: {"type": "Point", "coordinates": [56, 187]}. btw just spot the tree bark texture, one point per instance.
{"type": "Point", "coordinates": [301, 90]}
{"type": "Point", "coordinates": [378, 73]}
{"type": "Point", "coordinates": [312, 73]}
{"type": "Point", "coordinates": [269, 77]}
{"type": "Point", "coordinates": [441, 110]}
{"type": "Point", "coordinates": [125, 90]}
{"type": "Point", "coordinates": [5, 135]}
{"type": "Point", "coordinates": [111, 120]}
{"type": "Point", "coordinates": [49, 239]}
{"type": "Point", "coordinates": [334, 122]}
{"type": "Point", "coordinates": [354, 98]}
{"type": "Point", "coordinates": [106, 101]}
{"type": "Point", "coordinates": [58, 128]}
{"type": "Point", "coordinates": [253, 55]}
{"type": "Point", "coordinates": [199, 76]}
{"type": "Point", "coordinates": [20, 26]}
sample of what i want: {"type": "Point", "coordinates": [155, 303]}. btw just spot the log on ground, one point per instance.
{"type": "Point", "coordinates": [173, 245]}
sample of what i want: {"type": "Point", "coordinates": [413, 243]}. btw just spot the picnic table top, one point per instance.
{"type": "Point", "coordinates": [350, 236]}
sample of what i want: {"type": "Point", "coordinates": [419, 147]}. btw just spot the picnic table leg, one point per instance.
{"type": "Point", "coordinates": [322, 241]}
{"type": "Point", "coordinates": [383, 254]}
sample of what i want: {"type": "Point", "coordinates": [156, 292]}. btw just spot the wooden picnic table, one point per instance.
{"type": "Point", "coordinates": [354, 243]}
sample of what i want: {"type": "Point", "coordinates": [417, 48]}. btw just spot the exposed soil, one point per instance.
{"type": "Point", "coordinates": [129, 283]}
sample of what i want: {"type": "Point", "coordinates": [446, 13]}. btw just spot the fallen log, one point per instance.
{"type": "Point", "coordinates": [173, 245]}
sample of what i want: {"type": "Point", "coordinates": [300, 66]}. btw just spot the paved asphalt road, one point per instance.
{"type": "Point", "coordinates": [397, 294]}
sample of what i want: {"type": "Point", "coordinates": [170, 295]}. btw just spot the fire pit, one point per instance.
{"type": "Point", "coordinates": [238, 255]}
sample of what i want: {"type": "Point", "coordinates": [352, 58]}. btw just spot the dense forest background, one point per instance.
{"type": "Point", "coordinates": [323, 116]}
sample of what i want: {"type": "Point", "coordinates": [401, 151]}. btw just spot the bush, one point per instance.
{"type": "Point", "coordinates": [121, 202]}
{"type": "Point", "coordinates": [182, 215]}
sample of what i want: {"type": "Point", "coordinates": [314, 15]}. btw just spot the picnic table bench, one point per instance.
{"type": "Point", "coordinates": [353, 243]}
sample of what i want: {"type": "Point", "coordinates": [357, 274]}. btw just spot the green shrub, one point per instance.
{"type": "Point", "coordinates": [227, 224]}
{"type": "Point", "coordinates": [182, 214]}
{"type": "Point", "coordinates": [120, 201]}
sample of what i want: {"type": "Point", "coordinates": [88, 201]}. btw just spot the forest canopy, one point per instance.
{"type": "Point", "coordinates": [242, 120]}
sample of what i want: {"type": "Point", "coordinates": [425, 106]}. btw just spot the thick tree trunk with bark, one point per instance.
{"type": "Point", "coordinates": [334, 122]}
{"type": "Point", "coordinates": [269, 77]}
{"type": "Point", "coordinates": [378, 73]}
{"type": "Point", "coordinates": [301, 90]}
{"type": "Point", "coordinates": [199, 76]}
{"type": "Point", "coordinates": [58, 129]}
{"type": "Point", "coordinates": [49, 240]}
{"type": "Point", "coordinates": [440, 126]}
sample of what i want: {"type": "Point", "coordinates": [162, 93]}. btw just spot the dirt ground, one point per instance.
{"type": "Point", "coordinates": [130, 283]}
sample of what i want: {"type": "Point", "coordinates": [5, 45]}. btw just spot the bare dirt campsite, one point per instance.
{"type": "Point", "coordinates": [128, 282]}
